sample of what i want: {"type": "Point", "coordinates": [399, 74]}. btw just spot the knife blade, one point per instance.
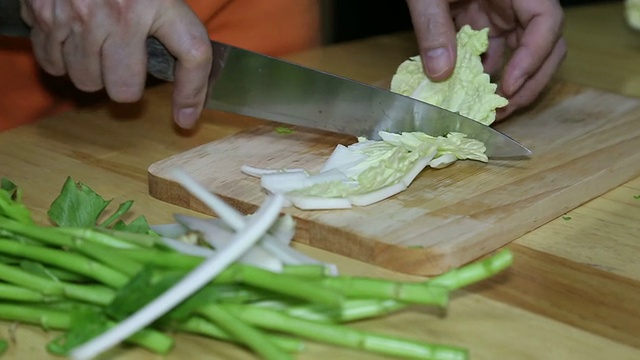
{"type": "Point", "coordinates": [252, 84]}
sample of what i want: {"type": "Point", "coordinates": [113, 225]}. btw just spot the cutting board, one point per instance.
{"type": "Point", "coordinates": [584, 142]}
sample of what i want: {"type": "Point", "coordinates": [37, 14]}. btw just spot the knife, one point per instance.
{"type": "Point", "coordinates": [261, 86]}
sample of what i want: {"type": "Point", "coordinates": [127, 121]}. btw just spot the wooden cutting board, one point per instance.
{"type": "Point", "coordinates": [584, 142]}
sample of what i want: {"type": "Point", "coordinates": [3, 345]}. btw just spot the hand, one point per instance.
{"type": "Point", "coordinates": [101, 44]}
{"type": "Point", "coordinates": [530, 29]}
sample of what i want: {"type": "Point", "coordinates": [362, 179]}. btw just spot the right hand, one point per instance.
{"type": "Point", "coordinates": [102, 44]}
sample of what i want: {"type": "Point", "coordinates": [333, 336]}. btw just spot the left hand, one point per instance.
{"type": "Point", "coordinates": [532, 30]}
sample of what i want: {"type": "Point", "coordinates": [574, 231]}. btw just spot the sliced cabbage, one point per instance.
{"type": "Point", "coordinates": [468, 91]}
{"type": "Point", "coordinates": [369, 171]}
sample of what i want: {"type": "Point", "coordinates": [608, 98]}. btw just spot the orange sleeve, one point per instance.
{"type": "Point", "coordinates": [23, 95]}
{"type": "Point", "coordinates": [273, 27]}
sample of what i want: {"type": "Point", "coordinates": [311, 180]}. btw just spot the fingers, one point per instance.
{"type": "Point", "coordinates": [81, 50]}
{"type": "Point", "coordinates": [535, 84]}
{"type": "Point", "coordinates": [542, 23]}
{"type": "Point", "coordinates": [436, 36]}
{"type": "Point", "coordinates": [102, 44]}
{"type": "Point", "coordinates": [123, 54]}
{"type": "Point", "coordinates": [493, 57]}
{"type": "Point", "coordinates": [40, 16]}
{"type": "Point", "coordinates": [192, 49]}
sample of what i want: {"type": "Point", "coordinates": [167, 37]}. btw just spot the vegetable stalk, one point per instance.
{"type": "Point", "coordinates": [59, 320]}
{"type": "Point", "coordinates": [342, 335]}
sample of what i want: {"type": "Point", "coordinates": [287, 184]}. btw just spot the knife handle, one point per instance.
{"type": "Point", "coordinates": [160, 62]}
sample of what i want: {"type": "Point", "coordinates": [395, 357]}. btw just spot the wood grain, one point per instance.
{"type": "Point", "coordinates": [110, 147]}
{"type": "Point", "coordinates": [583, 142]}
{"type": "Point", "coordinates": [569, 292]}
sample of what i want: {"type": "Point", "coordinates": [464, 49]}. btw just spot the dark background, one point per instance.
{"type": "Point", "coordinates": [352, 19]}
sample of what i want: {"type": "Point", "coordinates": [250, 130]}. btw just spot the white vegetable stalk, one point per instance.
{"type": "Point", "coordinates": [192, 282]}
{"type": "Point", "coordinates": [257, 172]}
{"type": "Point", "coordinates": [271, 253]}
{"type": "Point", "coordinates": [237, 221]}
{"type": "Point", "coordinates": [186, 248]}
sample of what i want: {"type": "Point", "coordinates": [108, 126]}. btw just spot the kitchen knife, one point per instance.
{"type": "Point", "coordinates": [253, 84]}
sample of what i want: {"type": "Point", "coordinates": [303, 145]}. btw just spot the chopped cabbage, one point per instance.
{"type": "Point", "coordinates": [369, 170]}
{"type": "Point", "coordinates": [468, 91]}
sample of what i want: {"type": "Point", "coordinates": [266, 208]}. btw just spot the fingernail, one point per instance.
{"type": "Point", "coordinates": [187, 118]}
{"type": "Point", "coordinates": [437, 61]}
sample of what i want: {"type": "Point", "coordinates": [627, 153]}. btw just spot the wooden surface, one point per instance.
{"type": "Point", "coordinates": [572, 293]}
{"type": "Point", "coordinates": [583, 143]}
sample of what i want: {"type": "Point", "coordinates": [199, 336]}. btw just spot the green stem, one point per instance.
{"type": "Point", "coordinates": [37, 268]}
{"type": "Point", "coordinates": [105, 255]}
{"type": "Point", "coordinates": [198, 325]}
{"type": "Point", "coordinates": [18, 293]}
{"type": "Point", "coordinates": [474, 272]}
{"type": "Point", "coordinates": [17, 276]}
{"type": "Point", "coordinates": [350, 310]}
{"type": "Point", "coordinates": [417, 293]}
{"type": "Point", "coordinates": [105, 239]}
{"type": "Point", "coordinates": [122, 209]}
{"type": "Point", "coordinates": [94, 294]}
{"type": "Point", "coordinates": [283, 284]}
{"type": "Point", "coordinates": [343, 335]}
{"type": "Point", "coordinates": [63, 236]}
{"type": "Point", "coordinates": [47, 235]}
{"type": "Point", "coordinates": [67, 261]}
{"type": "Point", "coordinates": [141, 240]}
{"type": "Point", "coordinates": [172, 260]}
{"type": "Point", "coordinates": [47, 319]}
{"type": "Point", "coordinates": [243, 333]}
{"type": "Point", "coordinates": [305, 271]}
{"type": "Point", "coordinates": [51, 319]}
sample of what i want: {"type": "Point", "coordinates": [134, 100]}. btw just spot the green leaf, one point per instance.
{"type": "Point", "coordinates": [637, 197]}
{"type": "Point", "coordinates": [122, 209]}
{"type": "Point", "coordinates": [11, 205]}
{"type": "Point", "coordinates": [77, 206]}
{"type": "Point", "coordinates": [87, 322]}
{"type": "Point", "coordinates": [8, 185]}
{"type": "Point", "coordinates": [147, 285]}
{"type": "Point", "coordinates": [227, 293]}
{"type": "Point", "coordinates": [138, 225]}
{"type": "Point", "coordinates": [3, 345]}
{"type": "Point", "coordinates": [37, 268]}
{"type": "Point", "coordinates": [566, 218]}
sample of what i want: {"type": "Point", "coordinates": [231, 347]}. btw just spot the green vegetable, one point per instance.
{"type": "Point", "coordinates": [566, 218]}
{"type": "Point", "coordinates": [84, 279]}
{"type": "Point", "coordinates": [11, 205]}
{"type": "Point", "coordinates": [3, 346]}
{"type": "Point", "coordinates": [468, 91]}
{"type": "Point", "coordinates": [79, 206]}
{"type": "Point", "coordinates": [284, 130]}
{"type": "Point", "coordinates": [637, 197]}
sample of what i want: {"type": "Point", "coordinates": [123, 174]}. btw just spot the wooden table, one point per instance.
{"type": "Point", "coordinates": [573, 292]}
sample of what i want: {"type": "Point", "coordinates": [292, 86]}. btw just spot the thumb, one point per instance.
{"type": "Point", "coordinates": [436, 34]}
